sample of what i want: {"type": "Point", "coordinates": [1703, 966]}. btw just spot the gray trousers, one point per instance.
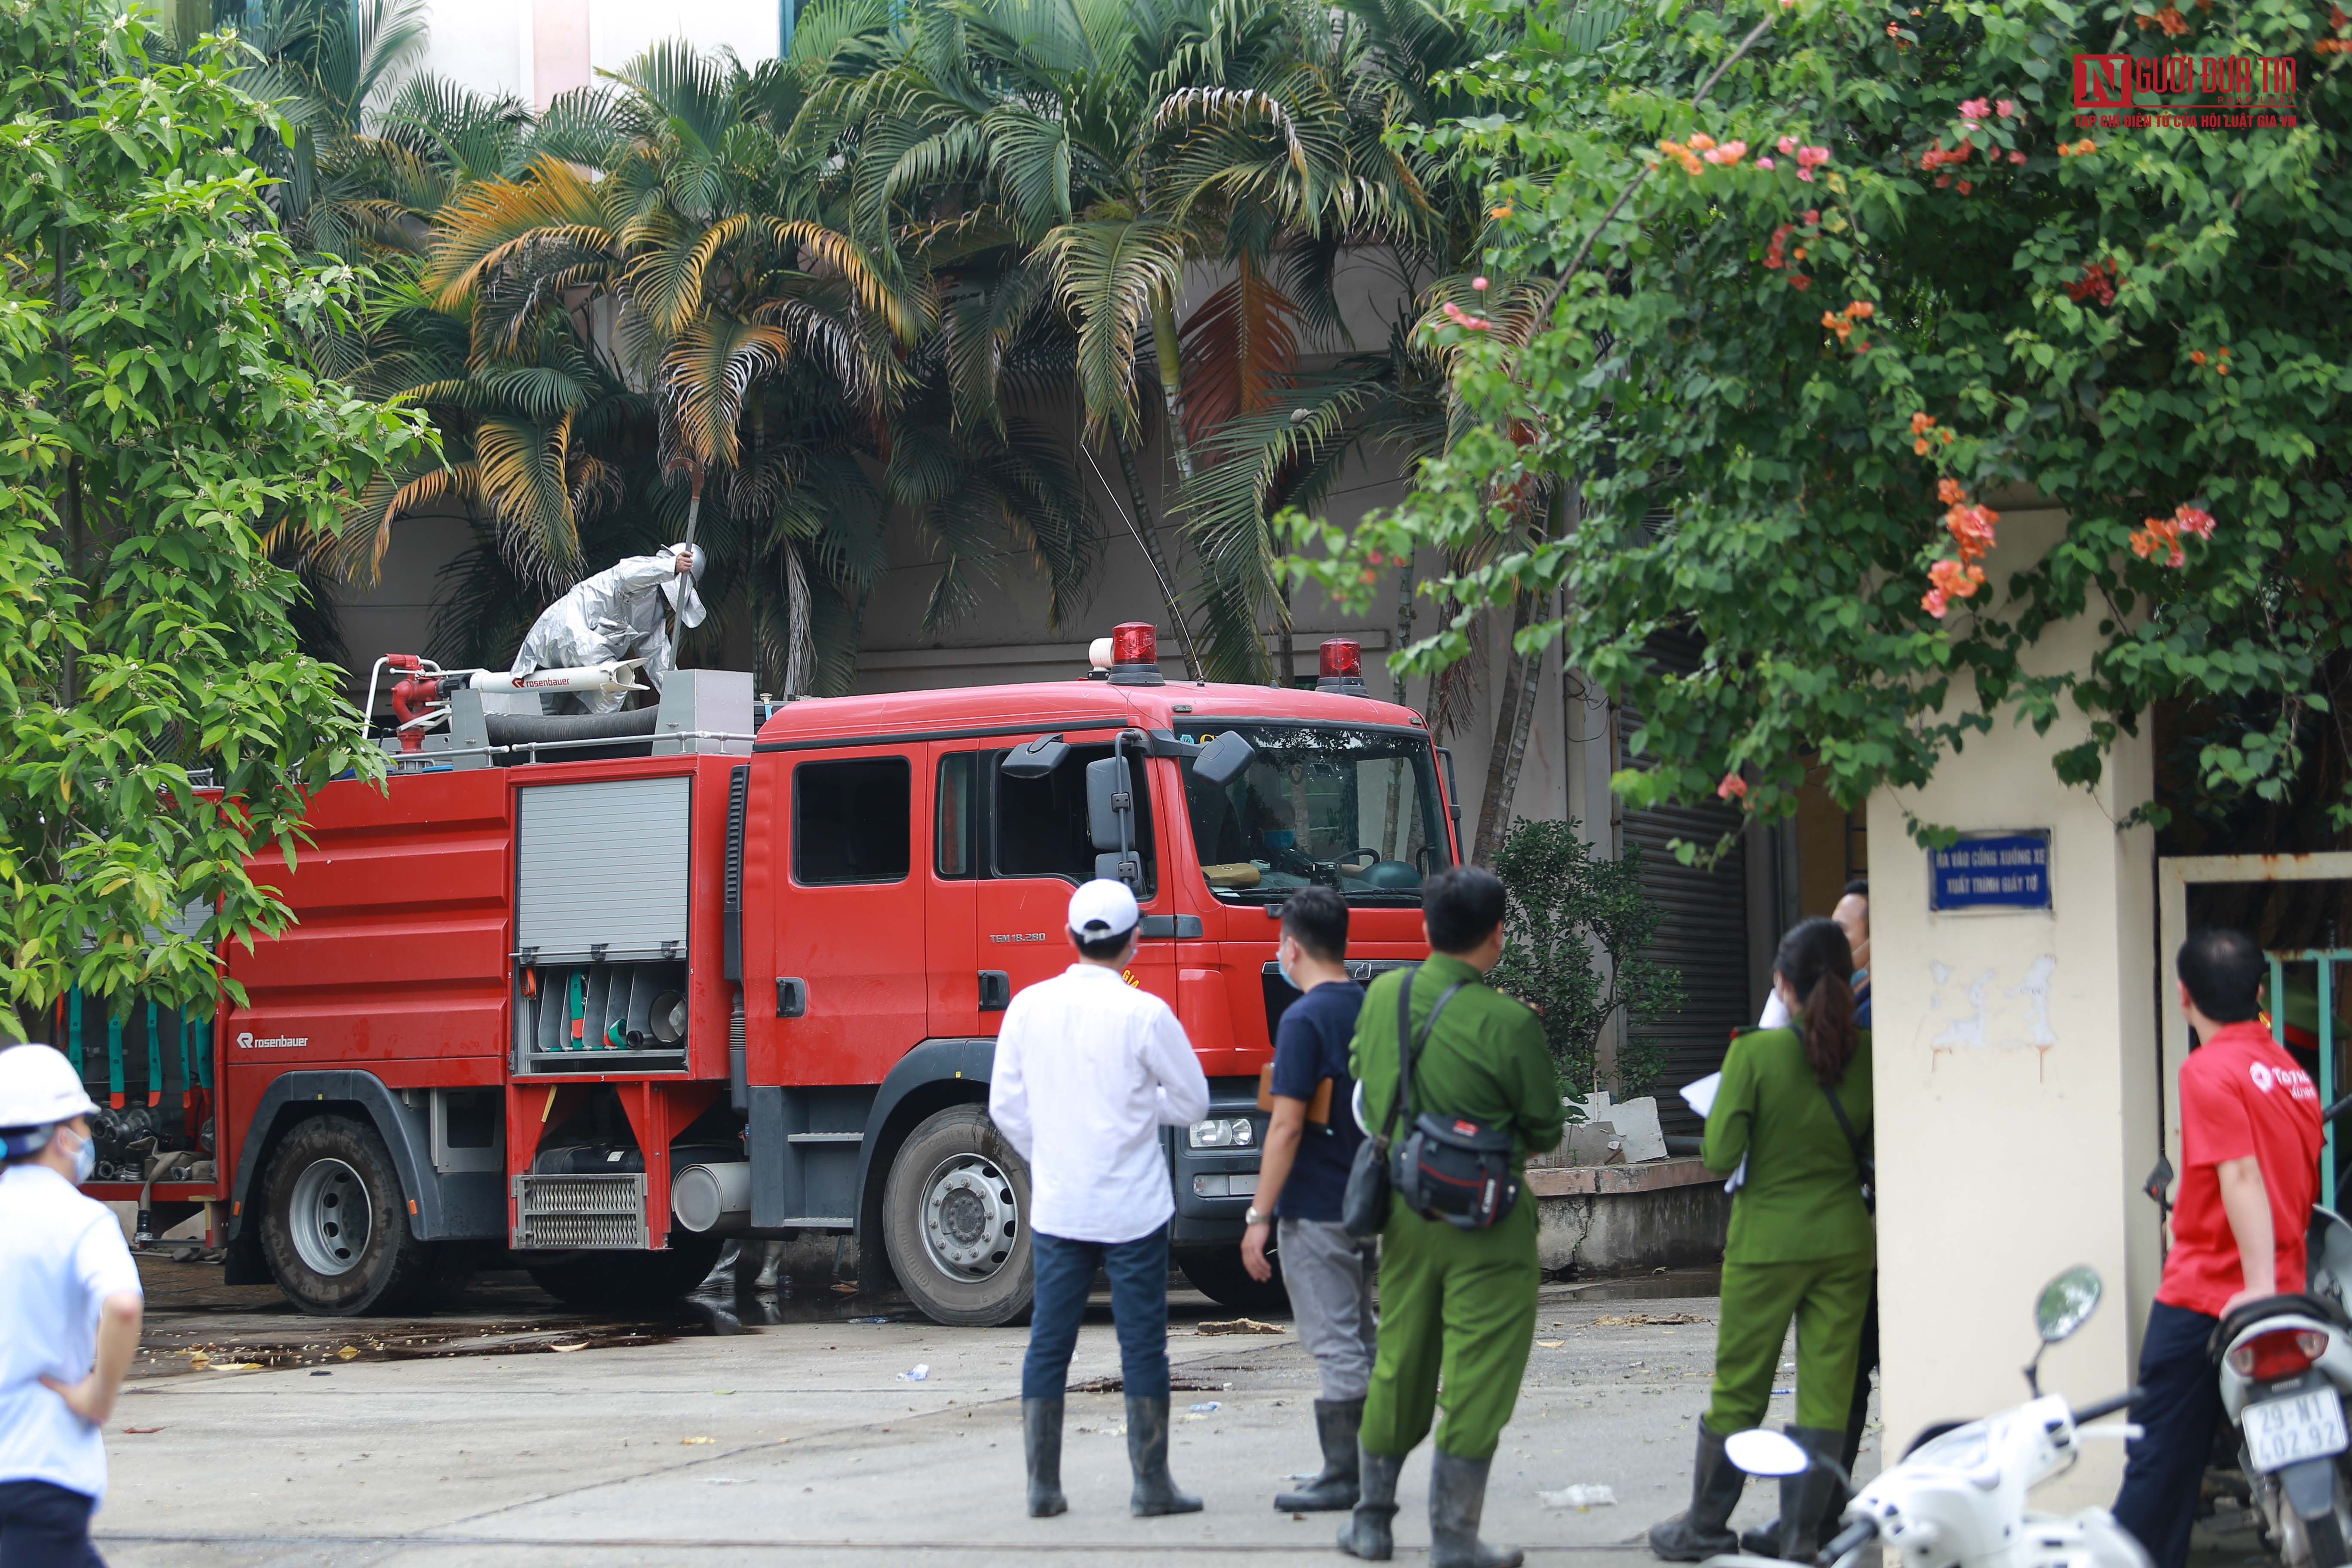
{"type": "Point", "coordinates": [1329, 1276]}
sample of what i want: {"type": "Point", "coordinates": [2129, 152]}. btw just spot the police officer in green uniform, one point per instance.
{"type": "Point", "coordinates": [1801, 1245]}
{"type": "Point", "coordinates": [1453, 1302]}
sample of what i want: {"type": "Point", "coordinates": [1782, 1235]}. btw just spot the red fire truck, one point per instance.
{"type": "Point", "coordinates": [587, 995]}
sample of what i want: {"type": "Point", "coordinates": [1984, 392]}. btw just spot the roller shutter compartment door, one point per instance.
{"type": "Point", "coordinates": [603, 865]}
{"type": "Point", "coordinates": [1702, 929]}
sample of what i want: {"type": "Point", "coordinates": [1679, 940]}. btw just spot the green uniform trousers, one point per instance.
{"type": "Point", "coordinates": [1458, 1305]}
{"type": "Point", "coordinates": [1828, 1297]}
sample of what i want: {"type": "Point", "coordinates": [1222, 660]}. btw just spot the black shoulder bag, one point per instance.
{"type": "Point", "coordinates": [1450, 1167]}
{"type": "Point", "coordinates": [1866, 1167]}
{"type": "Point", "coordinates": [1364, 1208]}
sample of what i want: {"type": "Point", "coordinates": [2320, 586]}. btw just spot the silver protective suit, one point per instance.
{"type": "Point", "coordinates": [620, 613]}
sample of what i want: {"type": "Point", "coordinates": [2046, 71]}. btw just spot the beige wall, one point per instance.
{"type": "Point", "coordinates": [2016, 1059]}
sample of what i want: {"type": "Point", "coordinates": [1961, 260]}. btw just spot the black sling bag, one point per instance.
{"type": "Point", "coordinates": [1448, 1167]}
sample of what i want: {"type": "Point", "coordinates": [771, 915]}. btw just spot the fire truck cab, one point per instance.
{"type": "Point", "coordinates": [595, 1006]}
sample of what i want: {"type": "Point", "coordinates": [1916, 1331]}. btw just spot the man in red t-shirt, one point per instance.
{"type": "Point", "coordinates": [2250, 1134]}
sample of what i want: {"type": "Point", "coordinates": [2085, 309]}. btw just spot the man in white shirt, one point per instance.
{"type": "Point", "coordinates": [69, 1311]}
{"type": "Point", "coordinates": [1089, 1069]}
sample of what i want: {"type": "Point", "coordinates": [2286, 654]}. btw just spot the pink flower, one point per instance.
{"type": "Point", "coordinates": [1813, 157]}
{"type": "Point", "coordinates": [1975, 109]}
{"type": "Point", "coordinates": [1812, 215]}
{"type": "Point", "coordinates": [1806, 174]}
{"type": "Point", "coordinates": [1477, 282]}
{"type": "Point", "coordinates": [1733, 787]}
{"type": "Point", "coordinates": [1934, 602]}
{"type": "Point", "coordinates": [2017, 157]}
{"type": "Point", "coordinates": [2194, 521]}
{"type": "Point", "coordinates": [1787, 144]}
{"type": "Point", "coordinates": [2006, 107]}
{"type": "Point", "coordinates": [1764, 164]}
{"type": "Point", "coordinates": [1729, 152]}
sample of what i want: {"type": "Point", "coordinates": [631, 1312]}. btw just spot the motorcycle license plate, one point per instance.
{"type": "Point", "coordinates": [2283, 1432]}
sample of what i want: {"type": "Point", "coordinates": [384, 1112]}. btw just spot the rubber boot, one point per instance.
{"type": "Point", "coordinates": [1457, 1497]}
{"type": "Point", "coordinates": [1337, 1422]}
{"type": "Point", "coordinates": [1366, 1535]}
{"type": "Point", "coordinates": [1816, 1495]}
{"type": "Point", "coordinates": [1041, 1441]}
{"type": "Point", "coordinates": [1147, 1454]}
{"type": "Point", "coordinates": [1700, 1532]}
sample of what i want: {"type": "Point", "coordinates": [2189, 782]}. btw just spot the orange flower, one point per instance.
{"type": "Point", "coordinates": [1949, 492]}
{"type": "Point", "coordinates": [1920, 446]}
{"type": "Point", "coordinates": [1733, 787]}
{"type": "Point", "coordinates": [1921, 424]}
{"type": "Point", "coordinates": [2196, 356]}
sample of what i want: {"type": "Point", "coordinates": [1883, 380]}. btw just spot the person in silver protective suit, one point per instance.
{"type": "Point", "coordinates": [620, 613]}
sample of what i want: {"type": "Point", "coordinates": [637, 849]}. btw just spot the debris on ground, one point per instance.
{"type": "Point", "coordinates": [695, 1442]}
{"type": "Point", "coordinates": [920, 1371]}
{"type": "Point", "coordinates": [1646, 1319]}
{"type": "Point", "coordinates": [1202, 1409]}
{"type": "Point", "coordinates": [1237, 1326]}
{"type": "Point", "coordinates": [1580, 1497]}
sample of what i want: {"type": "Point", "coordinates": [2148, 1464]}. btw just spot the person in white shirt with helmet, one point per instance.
{"type": "Point", "coordinates": [70, 1313]}
{"type": "Point", "coordinates": [1088, 1067]}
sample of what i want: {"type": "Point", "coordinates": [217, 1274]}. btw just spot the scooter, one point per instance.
{"type": "Point", "coordinates": [2286, 1365]}
{"type": "Point", "coordinates": [1956, 1499]}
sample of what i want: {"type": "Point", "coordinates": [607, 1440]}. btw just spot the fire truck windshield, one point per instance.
{"type": "Point", "coordinates": [1352, 809]}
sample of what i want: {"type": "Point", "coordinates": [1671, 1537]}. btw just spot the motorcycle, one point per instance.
{"type": "Point", "coordinates": [2285, 1362]}
{"type": "Point", "coordinates": [1956, 1499]}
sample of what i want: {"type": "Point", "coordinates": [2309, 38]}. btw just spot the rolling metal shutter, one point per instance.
{"type": "Point", "coordinates": [601, 870]}
{"type": "Point", "coordinates": [1704, 932]}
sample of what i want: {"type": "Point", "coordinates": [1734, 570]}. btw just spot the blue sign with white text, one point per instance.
{"type": "Point", "coordinates": [1991, 871]}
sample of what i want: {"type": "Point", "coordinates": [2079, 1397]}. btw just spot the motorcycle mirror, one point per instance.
{"type": "Point", "coordinates": [2067, 1303]}
{"type": "Point", "coordinates": [1762, 1453]}
{"type": "Point", "coordinates": [1223, 759]}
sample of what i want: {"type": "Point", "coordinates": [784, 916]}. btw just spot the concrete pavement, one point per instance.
{"type": "Point", "coordinates": [489, 1440]}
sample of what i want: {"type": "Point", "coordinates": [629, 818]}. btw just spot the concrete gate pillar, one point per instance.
{"type": "Point", "coordinates": [2016, 1058]}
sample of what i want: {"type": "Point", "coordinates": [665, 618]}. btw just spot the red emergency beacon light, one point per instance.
{"type": "Point", "coordinates": [1135, 655]}
{"type": "Point", "coordinates": [1342, 667]}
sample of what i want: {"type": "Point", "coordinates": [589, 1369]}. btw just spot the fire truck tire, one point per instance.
{"type": "Point", "coordinates": [955, 1221]}
{"type": "Point", "coordinates": [627, 1281]}
{"type": "Point", "coordinates": [1217, 1273]}
{"type": "Point", "coordinates": [334, 1224]}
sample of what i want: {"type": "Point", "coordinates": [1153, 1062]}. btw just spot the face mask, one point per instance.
{"type": "Point", "coordinates": [85, 1159]}
{"type": "Point", "coordinates": [1283, 970]}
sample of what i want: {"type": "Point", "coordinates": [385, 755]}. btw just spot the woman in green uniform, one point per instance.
{"type": "Point", "coordinates": [1801, 1246]}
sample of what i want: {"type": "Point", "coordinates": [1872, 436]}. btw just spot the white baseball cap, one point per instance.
{"type": "Point", "coordinates": [1103, 907]}
{"type": "Point", "coordinates": [39, 1088]}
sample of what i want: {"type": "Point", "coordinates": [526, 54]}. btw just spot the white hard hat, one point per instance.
{"type": "Point", "coordinates": [681, 595]}
{"type": "Point", "coordinates": [1103, 907]}
{"type": "Point", "coordinates": [39, 1088]}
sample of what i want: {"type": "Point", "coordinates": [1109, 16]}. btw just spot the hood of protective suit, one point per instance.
{"type": "Point", "coordinates": [681, 594]}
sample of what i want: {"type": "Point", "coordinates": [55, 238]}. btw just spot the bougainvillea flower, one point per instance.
{"type": "Point", "coordinates": [1733, 787]}
{"type": "Point", "coordinates": [1933, 602]}
{"type": "Point", "coordinates": [2016, 157]}
{"type": "Point", "coordinates": [2006, 107]}
{"type": "Point", "coordinates": [1975, 109]}
{"type": "Point", "coordinates": [1729, 152]}
{"type": "Point", "coordinates": [1787, 144]}
{"type": "Point", "coordinates": [1948, 489]}
{"type": "Point", "coordinates": [1765, 164]}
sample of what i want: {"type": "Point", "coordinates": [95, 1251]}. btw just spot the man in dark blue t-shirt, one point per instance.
{"type": "Point", "coordinates": [1301, 1178]}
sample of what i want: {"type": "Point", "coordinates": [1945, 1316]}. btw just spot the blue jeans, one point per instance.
{"type": "Point", "coordinates": [43, 1526]}
{"type": "Point", "coordinates": [1138, 1306]}
{"type": "Point", "coordinates": [2179, 1403]}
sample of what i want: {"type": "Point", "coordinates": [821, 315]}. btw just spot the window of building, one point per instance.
{"type": "Point", "coordinates": [851, 821]}
{"type": "Point", "coordinates": [956, 852]}
{"type": "Point", "coordinates": [1038, 827]}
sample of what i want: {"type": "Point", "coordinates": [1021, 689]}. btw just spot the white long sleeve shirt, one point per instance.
{"type": "Point", "coordinates": [1089, 1069]}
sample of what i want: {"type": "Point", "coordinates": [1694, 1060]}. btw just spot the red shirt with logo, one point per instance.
{"type": "Point", "coordinates": [2241, 1094]}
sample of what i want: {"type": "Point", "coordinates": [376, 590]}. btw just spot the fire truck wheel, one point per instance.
{"type": "Point", "coordinates": [1217, 1273]}
{"type": "Point", "coordinates": [955, 1221]}
{"type": "Point", "coordinates": [627, 1281]}
{"type": "Point", "coordinates": [335, 1224]}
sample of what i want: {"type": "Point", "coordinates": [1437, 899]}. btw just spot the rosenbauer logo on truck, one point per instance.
{"type": "Point", "coordinates": [246, 1042]}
